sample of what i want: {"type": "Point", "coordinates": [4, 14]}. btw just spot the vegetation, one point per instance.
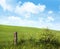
{"type": "Point", "coordinates": [29, 38]}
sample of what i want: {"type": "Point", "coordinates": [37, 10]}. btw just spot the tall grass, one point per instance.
{"type": "Point", "coordinates": [29, 38]}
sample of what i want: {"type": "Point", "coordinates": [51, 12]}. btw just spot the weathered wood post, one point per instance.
{"type": "Point", "coordinates": [15, 38]}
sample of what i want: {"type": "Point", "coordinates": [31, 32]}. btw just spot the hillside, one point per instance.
{"type": "Point", "coordinates": [7, 33]}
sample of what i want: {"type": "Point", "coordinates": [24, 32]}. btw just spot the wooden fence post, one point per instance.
{"type": "Point", "coordinates": [15, 38]}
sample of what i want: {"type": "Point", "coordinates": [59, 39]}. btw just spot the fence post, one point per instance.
{"type": "Point", "coordinates": [15, 38]}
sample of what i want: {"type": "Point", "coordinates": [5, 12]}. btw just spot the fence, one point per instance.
{"type": "Point", "coordinates": [15, 38]}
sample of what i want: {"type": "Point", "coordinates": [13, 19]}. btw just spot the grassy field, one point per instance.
{"type": "Point", "coordinates": [29, 38]}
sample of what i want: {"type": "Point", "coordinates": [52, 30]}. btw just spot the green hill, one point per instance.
{"type": "Point", "coordinates": [25, 33]}
{"type": "Point", "coordinates": [7, 32]}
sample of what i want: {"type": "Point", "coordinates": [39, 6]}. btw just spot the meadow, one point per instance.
{"type": "Point", "coordinates": [29, 38]}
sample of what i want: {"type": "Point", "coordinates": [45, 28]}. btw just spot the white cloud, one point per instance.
{"type": "Point", "coordinates": [55, 26]}
{"type": "Point", "coordinates": [28, 7]}
{"type": "Point", "coordinates": [45, 22]}
{"type": "Point", "coordinates": [5, 6]}
{"type": "Point", "coordinates": [14, 20]}
{"type": "Point", "coordinates": [18, 21]}
{"type": "Point", "coordinates": [49, 19]}
{"type": "Point", "coordinates": [25, 9]}
{"type": "Point", "coordinates": [50, 12]}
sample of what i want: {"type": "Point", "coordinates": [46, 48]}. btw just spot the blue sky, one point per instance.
{"type": "Point", "coordinates": [31, 13]}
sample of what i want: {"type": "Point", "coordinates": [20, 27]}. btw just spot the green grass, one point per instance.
{"type": "Point", "coordinates": [28, 36]}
